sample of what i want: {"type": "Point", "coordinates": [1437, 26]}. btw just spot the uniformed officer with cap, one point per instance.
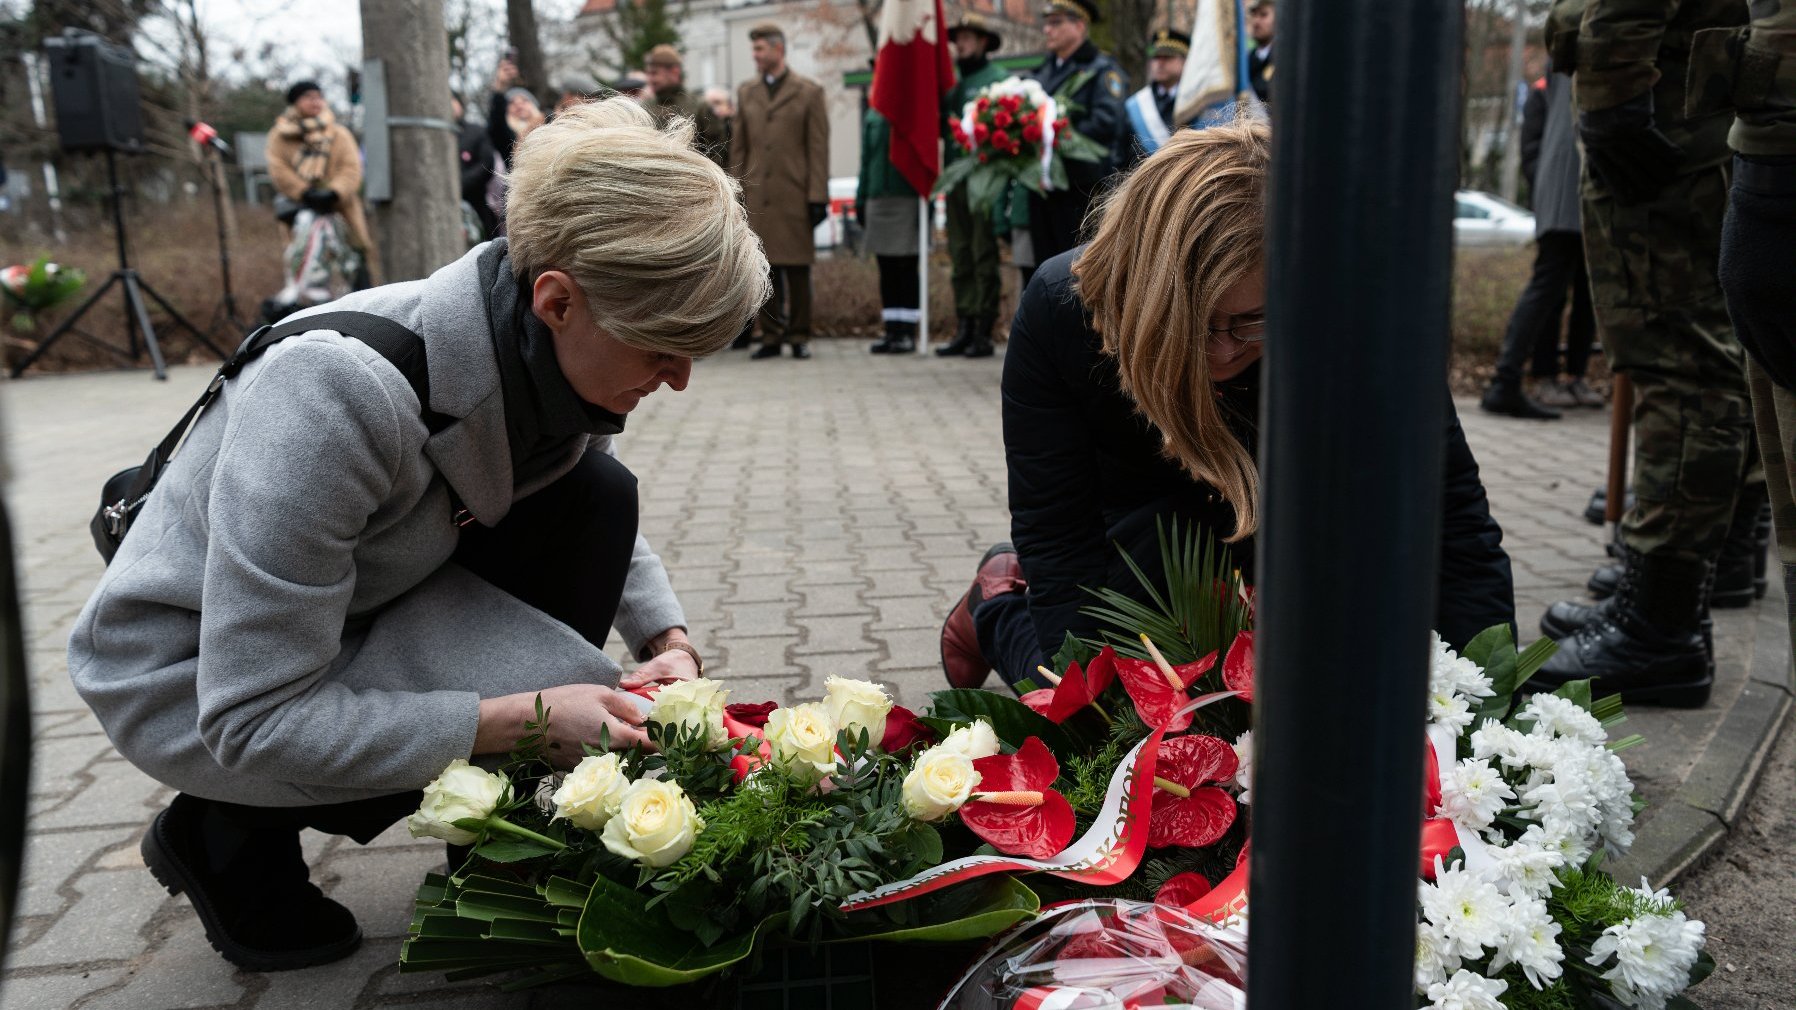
{"type": "Point", "coordinates": [1075, 70]}
{"type": "Point", "coordinates": [972, 238]}
{"type": "Point", "coordinates": [1150, 110]}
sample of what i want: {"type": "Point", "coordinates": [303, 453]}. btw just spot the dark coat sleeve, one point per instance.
{"type": "Point", "coordinates": [1477, 587]}
{"type": "Point", "coordinates": [1534, 125]}
{"type": "Point", "coordinates": [498, 130]}
{"type": "Point", "coordinates": [1056, 520]}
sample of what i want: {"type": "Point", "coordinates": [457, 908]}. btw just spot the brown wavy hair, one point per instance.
{"type": "Point", "coordinates": [1185, 227]}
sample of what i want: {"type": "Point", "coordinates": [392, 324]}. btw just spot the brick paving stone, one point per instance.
{"type": "Point", "coordinates": [105, 924]}
{"type": "Point", "coordinates": [53, 992]}
{"type": "Point", "coordinates": [52, 858]}
{"type": "Point", "coordinates": [119, 793]}
{"type": "Point", "coordinates": [188, 973]}
{"type": "Point", "coordinates": [900, 612]}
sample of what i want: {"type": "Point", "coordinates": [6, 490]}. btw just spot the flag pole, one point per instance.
{"type": "Point", "coordinates": [923, 230]}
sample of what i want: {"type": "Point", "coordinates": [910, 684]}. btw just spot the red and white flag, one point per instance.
{"type": "Point", "coordinates": [911, 73]}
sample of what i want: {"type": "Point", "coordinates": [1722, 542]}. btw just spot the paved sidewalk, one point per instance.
{"type": "Point", "coordinates": [817, 518]}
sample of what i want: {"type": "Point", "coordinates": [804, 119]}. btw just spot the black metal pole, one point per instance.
{"type": "Point", "coordinates": [1365, 133]}
{"type": "Point", "coordinates": [124, 260]}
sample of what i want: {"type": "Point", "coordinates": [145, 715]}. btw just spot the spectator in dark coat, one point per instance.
{"type": "Point", "coordinates": [1262, 20]}
{"type": "Point", "coordinates": [1114, 418]}
{"type": "Point", "coordinates": [476, 167]}
{"type": "Point", "coordinates": [1550, 160]}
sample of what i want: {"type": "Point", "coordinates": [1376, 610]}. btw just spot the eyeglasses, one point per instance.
{"type": "Point", "coordinates": [1248, 327]}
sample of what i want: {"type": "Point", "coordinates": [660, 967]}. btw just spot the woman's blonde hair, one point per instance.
{"type": "Point", "coordinates": [651, 230]}
{"type": "Point", "coordinates": [1181, 230]}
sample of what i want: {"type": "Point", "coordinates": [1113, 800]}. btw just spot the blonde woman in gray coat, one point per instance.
{"type": "Point", "coordinates": [327, 599]}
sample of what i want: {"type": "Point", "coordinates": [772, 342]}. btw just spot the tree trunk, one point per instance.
{"type": "Point", "coordinates": [1509, 181]}
{"type": "Point", "coordinates": [520, 25]}
{"type": "Point", "coordinates": [420, 230]}
{"type": "Point", "coordinates": [1134, 22]}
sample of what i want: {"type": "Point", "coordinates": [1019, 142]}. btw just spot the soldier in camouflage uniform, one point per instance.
{"type": "Point", "coordinates": [1655, 191]}
{"type": "Point", "coordinates": [972, 238]}
{"type": "Point", "coordinates": [1754, 71]}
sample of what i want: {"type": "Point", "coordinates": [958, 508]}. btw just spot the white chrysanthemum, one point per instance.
{"type": "Point", "coordinates": [1565, 804]}
{"type": "Point", "coordinates": [1556, 716]}
{"type": "Point", "coordinates": [1473, 794]}
{"type": "Point", "coordinates": [1467, 991]}
{"type": "Point", "coordinates": [1653, 955]}
{"type": "Point", "coordinates": [1531, 942]}
{"type": "Point", "coordinates": [1244, 765]}
{"type": "Point", "coordinates": [1434, 956]}
{"type": "Point", "coordinates": [1513, 748]}
{"type": "Point", "coordinates": [1470, 913]}
{"type": "Point", "coordinates": [1570, 845]}
{"type": "Point", "coordinates": [1451, 671]}
{"type": "Point", "coordinates": [1447, 708]}
{"type": "Point", "coordinates": [1525, 867]}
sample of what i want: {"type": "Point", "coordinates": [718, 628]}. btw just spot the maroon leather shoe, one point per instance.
{"type": "Point", "coordinates": [998, 573]}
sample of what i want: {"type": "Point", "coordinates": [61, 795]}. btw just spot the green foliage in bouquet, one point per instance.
{"type": "Point", "coordinates": [1198, 610]}
{"type": "Point", "coordinates": [33, 289]}
{"type": "Point", "coordinates": [772, 859]}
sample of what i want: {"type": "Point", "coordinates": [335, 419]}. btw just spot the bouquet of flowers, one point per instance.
{"type": "Point", "coordinates": [1121, 784]}
{"type": "Point", "coordinates": [1013, 130]}
{"type": "Point", "coordinates": [41, 285]}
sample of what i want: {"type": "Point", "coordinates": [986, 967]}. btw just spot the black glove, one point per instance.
{"type": "Point", "coordinates": [1758, 260]}
{"type": "Point", "coordinates": [320, 200]}
{"type": "Point", "coordinates": [1626, 152]}
{"type": "Point", "coordinates": [819, 213]}
{"type": "Point", "coordinates": [858, 212]}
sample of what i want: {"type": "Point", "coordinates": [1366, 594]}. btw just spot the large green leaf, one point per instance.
{"type": "Point", "coordinates": [974, 910]}
{"type": "Point", "coordinates": [985, 185]}
{"type": "Point", "coordinates": [1013, 721]}
{"type": "Point", "coordinates": [954, 175]}
{"type": "Point", "coordinates": [627, 941]}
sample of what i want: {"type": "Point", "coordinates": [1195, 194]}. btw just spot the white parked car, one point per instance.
{"type": "Point", "coordinates": [1485, 219]}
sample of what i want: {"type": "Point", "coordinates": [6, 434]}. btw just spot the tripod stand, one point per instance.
{"type": "Point", "coordinates": [226, 313]}
{"type": "Point", "coordinates": [137, 314]}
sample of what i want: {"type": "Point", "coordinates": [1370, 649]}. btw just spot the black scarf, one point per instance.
{"type": "Point", "coordinates": [971, 66]}
{"type": "Point", "coordinates": [542, 412]}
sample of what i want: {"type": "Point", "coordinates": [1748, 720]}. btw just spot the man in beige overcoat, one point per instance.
{"type": "Point", "coordinates": [779, 148]}
{"type": "Point", "coordinates": [314, 161]}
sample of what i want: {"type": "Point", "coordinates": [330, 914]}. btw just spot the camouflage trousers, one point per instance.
{"type": "Point", "coordinates": [1664, 322]}
{"type": "Point", "coordinates": [973, 248]}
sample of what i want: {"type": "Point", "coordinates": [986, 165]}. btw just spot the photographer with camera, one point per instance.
{"type": "Point", "coordinates": [317, 172]}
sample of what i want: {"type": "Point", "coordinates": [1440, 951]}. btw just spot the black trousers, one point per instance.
{"type": "Point", "coordinates": [564, 550]}
{"type": "Point", "coordinates": [1534, 325]}
{"type": "Point", "coordinates": [1055, 221]}
{"type": "Point", "coordinates": [899, 288]}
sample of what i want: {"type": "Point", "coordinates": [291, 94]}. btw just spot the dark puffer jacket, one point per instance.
{"type": "Point", "coordinates": [1086, 474]}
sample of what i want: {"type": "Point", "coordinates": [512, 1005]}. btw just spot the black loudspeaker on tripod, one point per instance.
{"type": "Point", "coordinates": [94, 85]}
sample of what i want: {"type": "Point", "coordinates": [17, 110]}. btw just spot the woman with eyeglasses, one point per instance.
{"type": "Point", "coordinates": [1131, 394]}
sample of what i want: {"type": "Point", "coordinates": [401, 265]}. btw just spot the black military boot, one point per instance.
{"type": "Point", "coordinates": [903, 339]}
{"type": "Point", "coordinates": [1507, 398]}
{"type": "Point", "coordinates": [963, 339]}
{"type": "Point", "coordinates": [982, 338]}
{"type": "Point", "coordinates": [1740, 570]}
{"type": "Point", "coordinates": [886, 343]}
{"type": "Point", "coordinates": [1646, 642]}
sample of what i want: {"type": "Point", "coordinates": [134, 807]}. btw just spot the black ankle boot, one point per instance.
{"type": "Point", "coordinates": [903, 339]}
{"type": "Point", "coordinates": [1740, 570]}
{"type": "Point", "coordinates": [982, 338]}
{"type": "Point", "coordinates": [1508, 399]}
{"type": "Point", "coordinates": [248, 883]}
{"type": "Point", "coordinates": [884, 344]}
{"type": "Point", "coordinates": [1646, 642]}
{"type": "Point", "coordinates": [963, 339]}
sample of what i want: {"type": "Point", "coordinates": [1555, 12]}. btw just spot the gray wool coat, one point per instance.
{"type": "Point", "coordinates": [283, 626]}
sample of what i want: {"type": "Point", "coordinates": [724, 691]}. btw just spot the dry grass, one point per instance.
{"type": "Point", "coordinates": [175, 249]}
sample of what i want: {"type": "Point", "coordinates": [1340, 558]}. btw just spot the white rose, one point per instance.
{"type": "Point", "coordinates": [655, 824]}
{"type": "Point", "coordinates": [803, 739]}
{"type": "Point", "coordinates": [460, 793]}
{"type": "Point", "coordinates": [940, 781]}
{"type": "Point", "coordinates": [854, 705]}
{"type": "Point", "coordinates": [591, 793]}
{"type": "Point", "coordinates": [976, 740]}
{"type": "Point", "coordinates": [693, 703]}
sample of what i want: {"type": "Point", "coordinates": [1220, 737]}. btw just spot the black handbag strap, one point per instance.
{"type": "Point", "coordinates": [400, 346]}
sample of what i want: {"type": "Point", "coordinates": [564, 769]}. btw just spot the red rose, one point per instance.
{"type": "Point", "coordinates": [1060, 125]}
{"type": "Point", "coordinates": [981, 132]}
{"type": "Point", "coordinates": [751, 715]}
{"type": "Point", "coordinates": [982, 158]}
{"type": "Point", "coordinates": [1001, 119]}
{"type": "Point", "coordinates": [1012, 102]}
{"type": "Point", "coordinates": [1000, 139]}
{"type": "Point", "coordinates": [1032, 132]}
{"type": "Point", "coordinates": [983, 103]}
{"type": "Point", "coordinates": [903, 729]}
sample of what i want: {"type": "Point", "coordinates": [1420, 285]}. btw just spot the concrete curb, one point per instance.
{"type": "Point", "coordinates": [1702, 811]}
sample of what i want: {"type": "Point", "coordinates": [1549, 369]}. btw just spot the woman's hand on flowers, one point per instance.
{"type": "Point", "coordinates": [667, 668]}
{"type": "Point", "coordinates": [577, 714]}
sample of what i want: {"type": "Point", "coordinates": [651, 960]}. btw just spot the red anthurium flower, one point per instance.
{"type": "Point", "coordinates": [1154, 694]}
{"type": "Point", "coordinates": [1237, 669]}
{"type": "Point", "coordinates": [749, 715]}
{"type": "Point", "coordinates": [1182, 889]}
{"type": "Point", "coordinates": [903, 729]}
{"type": "Point", "coordinates": [1014, 809]}
{"type": "Point", "coordinates": [1077, 689]}
{"type": "Point", "coordinates": [1187, 809]}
